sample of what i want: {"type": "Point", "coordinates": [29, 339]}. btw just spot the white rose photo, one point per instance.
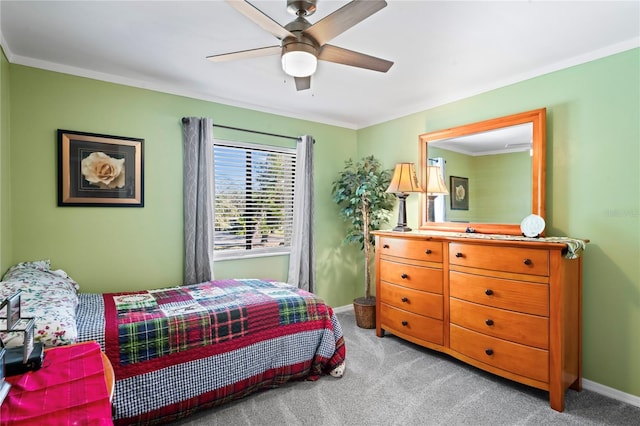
{"type": "Point", "coordinates": [103, 171]}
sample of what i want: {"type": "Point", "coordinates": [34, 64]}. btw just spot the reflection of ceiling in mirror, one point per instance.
{"type": "Point", "coordinates": [506, 139]}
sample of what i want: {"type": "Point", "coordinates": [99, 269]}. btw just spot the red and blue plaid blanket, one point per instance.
{"type": "Point", "coordinates": [220, 340]}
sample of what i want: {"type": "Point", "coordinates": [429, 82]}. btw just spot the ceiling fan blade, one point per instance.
{"type": "Point", "coordinates": [342, 19]}
{"type": "Point", "coordinates": [303, 83]}
{"type": "Point", "coordinates": [355, 59]}
{"type": "Point", "coordinates": [266, 23]}
{"type": "Point", "coordinates": [245, 54]}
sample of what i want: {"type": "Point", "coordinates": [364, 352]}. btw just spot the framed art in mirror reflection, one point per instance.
{"type": "Point", "coordinates": [459, 193]}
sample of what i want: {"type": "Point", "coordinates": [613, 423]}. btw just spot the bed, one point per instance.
{"type": "Point", "coordinates": [179, 350]}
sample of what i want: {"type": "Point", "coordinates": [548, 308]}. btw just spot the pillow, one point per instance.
{"type": "Point", "coordinates": [39, 272]}
{"type": "Point", "coordinates": [48, 296]}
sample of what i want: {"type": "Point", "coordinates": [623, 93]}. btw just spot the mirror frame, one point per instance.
{"type": "Point", "coordinates": [538, 197]}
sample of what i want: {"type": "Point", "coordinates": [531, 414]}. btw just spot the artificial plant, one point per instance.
{"type": "Point", "coordinates": [359, 191]}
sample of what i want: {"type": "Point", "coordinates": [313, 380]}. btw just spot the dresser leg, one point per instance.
{"type": "Point", "coordinates": [379, 332]}
{"type": "Point", "coordinates": [556, 400]}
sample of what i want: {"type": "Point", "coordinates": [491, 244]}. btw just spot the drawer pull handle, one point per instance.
{"type": "Point", "coordinates": [404, 300]}
{"type": "Point", "coordinates": [488, 292]}
{"type": "Point", "coordinates": [385, 246]}
{"type": "Point", "coordinates": [489, 322]}
{"type": "Point", "coordinates": [527, 262]}
{"type": "Point", "coordinates": [427, 251]}
{"type": "Point", "coordinates": [488, 352]}
{"type": "Point", "coordinates": [459, 255]}
{"type": "Point", "coordinates": [404, 276]}
{"type": "Point", "coordinates": [405, 323]}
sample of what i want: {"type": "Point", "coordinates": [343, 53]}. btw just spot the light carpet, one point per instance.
{"type": "Point", "coordinates": [392, 382]}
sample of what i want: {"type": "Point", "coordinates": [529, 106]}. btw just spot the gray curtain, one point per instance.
{"type": "Point", "coordinates": [302, 267]}
{"type": "Point", "coordinates": [198, 199]}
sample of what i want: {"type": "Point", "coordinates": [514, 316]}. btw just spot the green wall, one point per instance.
{"type": "Point", "coordinates": [502, 192]}
{"type": "Point", "coordinates": [593, 188]}
{"type": "Point", "coordinates": [115, 249]}
{"type": "Point", "coordinates": [5, 167]}
{"type": "Point", "coordinates": [499, 186]}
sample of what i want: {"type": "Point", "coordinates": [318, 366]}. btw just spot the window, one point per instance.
{"type": "Point", "coordinates": [439, 205]}
{"type": "Point", "coordinates": [253, 195]}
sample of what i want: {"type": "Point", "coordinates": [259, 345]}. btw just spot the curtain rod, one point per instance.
{"type": "Point", "coordinates": [295, 138]}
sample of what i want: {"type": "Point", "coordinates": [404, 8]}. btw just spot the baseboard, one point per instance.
{"type": "Point", "coordinates": [611, 392]}
{"type": "Point", "coordinates": [341, 309]}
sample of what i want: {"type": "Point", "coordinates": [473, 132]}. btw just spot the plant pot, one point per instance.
{"type": "Point", "coordinates": [365, 309]}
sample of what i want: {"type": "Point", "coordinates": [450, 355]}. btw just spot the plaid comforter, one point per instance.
{"type": "Point", "coordinates": [177, 350]}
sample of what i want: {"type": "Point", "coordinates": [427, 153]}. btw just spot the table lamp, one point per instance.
{"type": "Point", "coordinates": [403, 182]}
{"type": "Point", "coordinates": [435, 187]}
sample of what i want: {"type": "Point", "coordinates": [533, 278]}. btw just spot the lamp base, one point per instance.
{"type": "Point", "coordinates": [431, 212]}
{"type": "Point", "coordinates": [402, 213]}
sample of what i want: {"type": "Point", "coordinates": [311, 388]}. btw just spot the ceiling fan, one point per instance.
{"type": "Point", "coordinates": [303, 44]}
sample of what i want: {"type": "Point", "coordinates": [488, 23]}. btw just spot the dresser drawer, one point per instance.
{"type": "Point", "coordinates": [529, 298]}
{"type": "Point", "coordinates": [430, 251]}
{"type": "Point", "coordinates": [416, 277]}
{"type": "Point", "coordinates": [507, 259]}
{"type": "Point", "coordinates": [418, 326]}
{"type": "Point", "coordinates": [530, 330]}
{"type": "Point", "coordinates": [418, 302]}
{"type": "Point", "coordinates": [519, 359]}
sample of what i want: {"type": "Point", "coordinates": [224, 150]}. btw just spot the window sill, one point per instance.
{"type": "Point", "coordinates": [218, 257]}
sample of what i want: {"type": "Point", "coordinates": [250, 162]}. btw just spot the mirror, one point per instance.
{"type": "Point", "coordinates": [494, 171]}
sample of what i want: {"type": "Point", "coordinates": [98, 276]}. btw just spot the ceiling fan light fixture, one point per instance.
{"type": "Point", "coordinates": [299, 60]}
{"type": "Point", "coordinates": [303, 43]}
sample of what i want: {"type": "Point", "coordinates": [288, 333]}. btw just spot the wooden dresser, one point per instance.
{"type": "Point", "coordinates": [509, 307]}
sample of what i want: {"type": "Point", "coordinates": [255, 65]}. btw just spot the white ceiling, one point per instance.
{"type": "Point", "coordinates": [443, 50]}
{"type": "Point", "coordinates": [517, 138]}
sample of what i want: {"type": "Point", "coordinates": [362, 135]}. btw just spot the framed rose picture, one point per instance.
{"type": "Point", "coordinates": [100, 170]}
{"type": "Point", "coordinates": [459, 192]}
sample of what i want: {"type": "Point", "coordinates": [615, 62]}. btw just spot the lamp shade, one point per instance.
{"type": "Point", "coordinates": [299, 59]}
{"type": "Point", "coordinates": [404, 179]}
{"type": "Point", "coordinates": [435, 184]}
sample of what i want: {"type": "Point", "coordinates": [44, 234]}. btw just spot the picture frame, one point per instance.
{"type": "Point", "coordinates": [27, 328]}
{"type": "Point", "coordinates": [459, 192]}
{"type": "Point", "coordinates": [12, 305]}
{"type": "Point", "coordinates": [96, 170]}
{"type": "Point", "coordinates": [4, 386]}
{"type": "Point", "coordinates": [15, 323]}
